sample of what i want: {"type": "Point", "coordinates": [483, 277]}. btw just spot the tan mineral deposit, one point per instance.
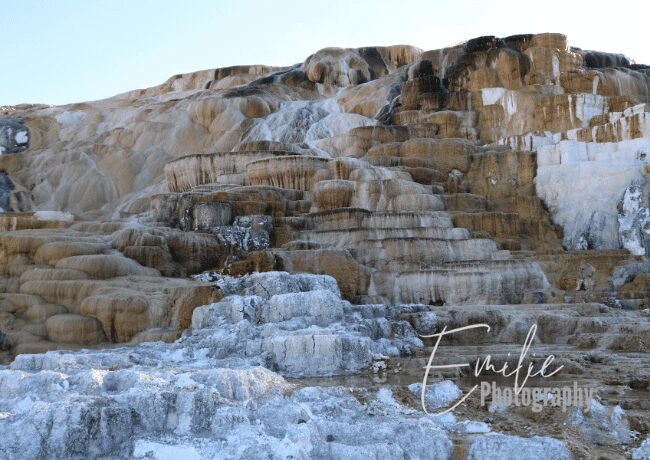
{"type": "Point", "coordinates": [290, 233]}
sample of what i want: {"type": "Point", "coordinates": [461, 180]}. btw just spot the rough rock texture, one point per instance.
{"type": "Point", "coordinates": [13, 197]}
{"type": "Point", "coordinates": [299, 325]}
{"type": "Point", "coordinates": [202, 397]}
{"type": "Point", "coordinates": [634, 220]}
{"type": "Point", "coordinates": [65, 286]}
{"type": "Point", "coordinates": [584, 177]}
{"type": "Point", "coordinates": [14, 136]}
{"type": "Point", "coordinates": [502, 180]}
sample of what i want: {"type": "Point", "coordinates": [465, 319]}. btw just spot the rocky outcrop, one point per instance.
{"type": "Point", "coordinates": [308, 222]}
{"type": "Point", "coordinates": [611, 154]}
{"type": "Point", "coordinates": [634, 220]}
{"type": "Point", "coordinates": [65, 287]}
{"type": "Point", "coordinates": [204, 395]}
{"type": "Point", "coordinates": [299, 325]}
{"type": "Point", "coordinates": [390, 218]}
{"type": "Point", "coordinates": [14, 136]}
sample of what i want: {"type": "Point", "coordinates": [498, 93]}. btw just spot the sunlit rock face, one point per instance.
{"type": "Point", "coordinates": [407, 175]}
{"type": "Point", "coordinates": [299, 325]}
{"type": "Point", "coordinates": [584, 177]}
{"type": "Point", "coordinates": [65, 285]}
{"type": "Point", "coordinates": [310, 221]}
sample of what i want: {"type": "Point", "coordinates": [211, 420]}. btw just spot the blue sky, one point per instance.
{"type": "Point", "coordinates": [73, 50]}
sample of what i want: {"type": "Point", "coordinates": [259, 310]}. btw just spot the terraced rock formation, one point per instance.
{"type": "Point", "coordinates": [501, 181]}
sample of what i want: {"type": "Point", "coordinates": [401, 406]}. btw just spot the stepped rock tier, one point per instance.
{"type": "Point", "coordinates": [279, 224]}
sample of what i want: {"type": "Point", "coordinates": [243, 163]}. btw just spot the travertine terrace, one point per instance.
{"type": "Point", "coordinates": [503, 180]}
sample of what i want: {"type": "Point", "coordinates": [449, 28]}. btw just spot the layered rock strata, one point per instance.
{"type": "Point", "coordinates": [64, 285]}
{"type": "Point", "coordinates": [501, 180]}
